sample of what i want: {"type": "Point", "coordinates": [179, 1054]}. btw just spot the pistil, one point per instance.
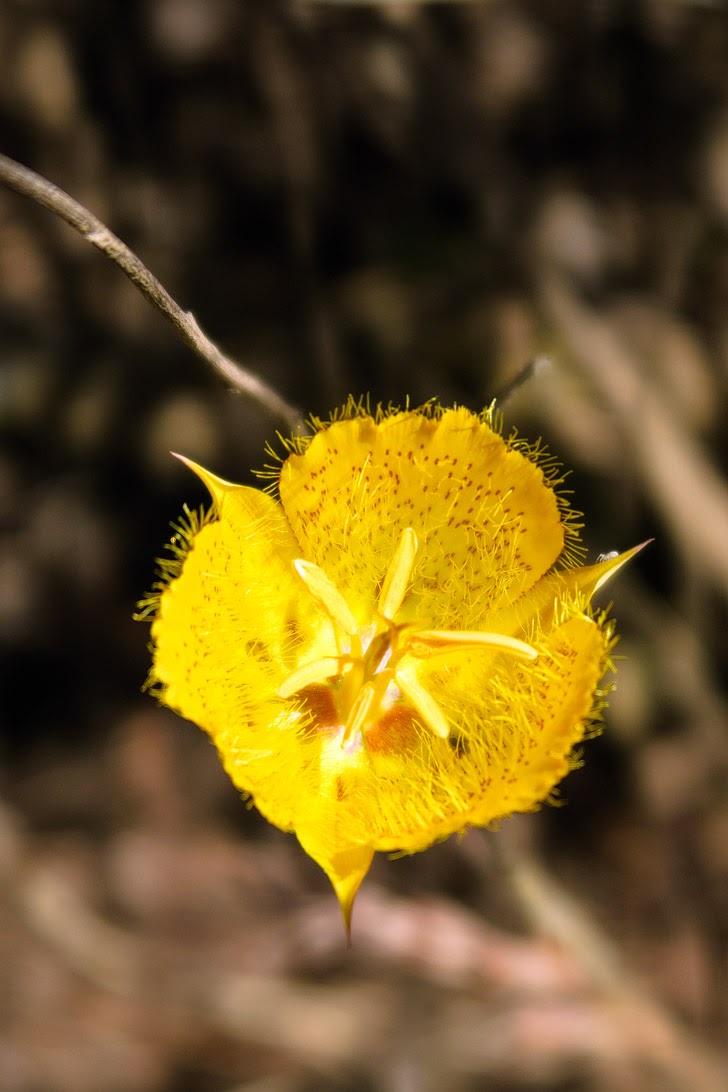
{"type": "Point", "coordinates": [370, 659]}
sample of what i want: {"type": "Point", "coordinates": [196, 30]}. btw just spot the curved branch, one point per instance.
{"type": "Point", "coordinates": [39, 189]}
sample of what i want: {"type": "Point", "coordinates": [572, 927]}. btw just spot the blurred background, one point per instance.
{"type": "Point", "coordinates": [407, 199]}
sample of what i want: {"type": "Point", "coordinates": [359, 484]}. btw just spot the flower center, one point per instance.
{"type": "Point", "coordinates": [376, 666]}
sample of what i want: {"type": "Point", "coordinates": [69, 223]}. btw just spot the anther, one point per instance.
{"type": "Point", "coordinates": [398, 575]}
{"type": "Point", "coordinates": [326, 595]}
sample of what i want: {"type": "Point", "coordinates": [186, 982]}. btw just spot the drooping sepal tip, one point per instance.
{"type": "Point", "coordinates": [345, 870]}
{"type": "Point", "coordinates": [346, 886]}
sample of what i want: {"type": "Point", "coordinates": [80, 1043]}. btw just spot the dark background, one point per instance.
{"type": "Point", "coordinates": [406, 199]}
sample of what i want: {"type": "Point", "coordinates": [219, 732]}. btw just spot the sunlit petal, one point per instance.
{"type": "Point", "coordinates": [400, 647]}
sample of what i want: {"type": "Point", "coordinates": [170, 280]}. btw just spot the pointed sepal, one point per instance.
{"type": "Point", "coordinates": [346, 869]}
{"type": "Point", "coordinates": [589, 579]}
{"type": "Point", "coordinates": [217, 487]}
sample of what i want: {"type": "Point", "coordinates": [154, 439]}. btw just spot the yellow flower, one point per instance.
{"type": "Point", "coordinates": [395, 647]}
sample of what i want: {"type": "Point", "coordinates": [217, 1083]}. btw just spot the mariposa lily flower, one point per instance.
{"type": "Point", "coordinates": [394, 641]}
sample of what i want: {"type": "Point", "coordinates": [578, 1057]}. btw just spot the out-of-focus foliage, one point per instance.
{"type": "Point", "coordinates": [401, 199]}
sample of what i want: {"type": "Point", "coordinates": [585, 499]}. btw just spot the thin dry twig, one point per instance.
{"type": "Point", "coordinates": [29, 184]}
{"type": "Point", "coordinates": [530, 370]}
{"type": "Point", "coordinates": [388, 3]}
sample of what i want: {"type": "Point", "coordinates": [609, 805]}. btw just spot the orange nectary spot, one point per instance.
{"type": "Point", "coordinates": [320, 705]}
{"type": "Point", "coordinates": [395, 731]}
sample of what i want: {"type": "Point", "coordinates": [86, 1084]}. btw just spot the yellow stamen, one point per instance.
{"type": "Point", "coordinates": [423, 702]}
{"type": "Point", "coordinates": [356, 721]}
{"type": "Point", "coordinates": [315, 672]}
{"type": "Point", "coordinates": [361, 695]}
{"type": "Point", "coordinates": [327, 594]}
{"type": "Point", "coordinates": [398, 575]}
{"type": "Point", "coordinates": [431, 642]}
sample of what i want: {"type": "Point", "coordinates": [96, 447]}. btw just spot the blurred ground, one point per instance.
{"type": "Point", "coordinates": [406, 199]}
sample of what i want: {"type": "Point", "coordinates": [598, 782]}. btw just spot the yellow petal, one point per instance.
{"type": "Point", "coordinates": [487, 522]}
{"type": "Point", "coordinates": [229, 628]}
{"type": "Point", "coordinates": [556, 704]}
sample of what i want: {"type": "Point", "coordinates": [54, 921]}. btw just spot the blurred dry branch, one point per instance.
{"type": "Point", "coordinates": [692, 495]}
